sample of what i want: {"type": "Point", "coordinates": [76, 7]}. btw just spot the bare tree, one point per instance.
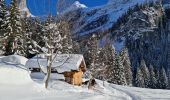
{"type": "Point", "coordinates": [56, 40]}
{"type": "Point", "coordinates": [52, 39]}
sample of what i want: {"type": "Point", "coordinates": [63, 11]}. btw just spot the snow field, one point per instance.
{"type": "Point", "coordinates": [16, 83]}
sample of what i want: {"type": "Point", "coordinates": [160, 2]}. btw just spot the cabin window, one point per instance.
{"type": "Point", "coordinates": [34, 69]}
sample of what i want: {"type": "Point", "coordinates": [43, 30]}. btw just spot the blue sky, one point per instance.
{"type": "Point", "coordinates": [40, 7]}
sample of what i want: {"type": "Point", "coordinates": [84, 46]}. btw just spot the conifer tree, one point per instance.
{"type": "Point", "coordinates": [35, 35]}
{"type": "Point", "coordinates": [14, 40]}
{"type": "Point", "coordinates": [3, 18]}
{"type": "Point", "coordinates": [163, 80]}
{"type": "Point", "coordinates": [153, 80]}
{"type": "Point", "coordinates": [145, 73]}
{"type": "Point", "coordinates": [108, 58]}
{"type": "Point", "coordinates": [99, 66]}
{"type": "Point", "coordinates": [67, 43]}
{"type": "Point", "coordinates": [91, 50]}
{"type": "Point", "coordinates": [157, 77]}
{"type": "Point", "coordinates": [26, 29]}
{"type": "Point", "coordinates": [127, 66]}
{"type": "Point", "coordinates": [94, 55]}
{"type": "Point", "coordinates": [168, 74]}
{"type": "Point", "coordinates": [118, 72]}
{"type": "Point", "coordinates": [109, 52]}
{"type": "Point", "coordinates": [76, 49]}
{"type": "Point", "coordinates": [139, 80]}
{"type": "Point", "coordinates": [55, 35]}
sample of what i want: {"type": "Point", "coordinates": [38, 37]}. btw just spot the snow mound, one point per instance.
{"type": "Point", "coordinates": [14, 59]}
{"type": "Point", "coordinates": [13, 75]}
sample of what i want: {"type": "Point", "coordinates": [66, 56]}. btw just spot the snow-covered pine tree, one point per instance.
{"type": "Point", "coordinates": [76, 48]}
{"type": "Point", "coordinates": [139, 81]}
{"type": "Point", "coordinates": [157, 77]}
{"type": "Point", "coordinates": [163, 80]}
{"type": "Point", "coordinates": [118, 72]}
{"type": "Point", "coordinates": [110, 54]}
{"type": "Point", "coordinates": [92, 57]}
{"type": "Point", "coordinates": [153, 80]}
{"type": "Point", "coordinates": [26, 29]}
{"type": "Point", "coordinates": [108, 58]}
{"type": "Point", "coordinates": [127, 66]}
{"type": "Point", "coordinates": [4, 16]}
{"type": "Point", "coordinates": [96, 63]}
{"type": "Point", "coordinates": [36, 37]}
{"type": "Point", "coordinates": [103, 55]}
{"type": "Point", "coordinates": [52, 36]}
{"type": "Point", "coordinates": [168, 74]}
{"type": "Point", "coordinates": [99, 66]}
{"type": "Point", "coordinates": [14, 40]}
{"type": "Point", "coordinates": [145, 73]}
{"type": "Point", "coordinates": [91, 51]}
{"type": "Point", "coordinates": [40, 31]}
{"type": "Point", "coordinates": [67, 43]}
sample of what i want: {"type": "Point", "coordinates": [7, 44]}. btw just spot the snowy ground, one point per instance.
{"type": "Point", "coordinates": [16, 84]}
{"type": "Point", "coordinates": [59, 90]}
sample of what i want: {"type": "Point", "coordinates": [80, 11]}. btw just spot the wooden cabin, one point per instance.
{"type": "Point", "coordinates": [72, 66]}
{"type": "Point", "coordinates": [75, 77]}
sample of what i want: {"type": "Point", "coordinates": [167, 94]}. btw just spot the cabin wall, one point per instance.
{"type": "Point", "coordinates": [77, 78]}
{"type": "Point", "coordinates": [74, 77]}
{"type": "Point", "coordinates": [69, 77]}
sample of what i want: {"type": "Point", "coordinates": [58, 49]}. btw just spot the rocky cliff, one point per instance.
{"type": "Point", "coordinates": [23, 8]}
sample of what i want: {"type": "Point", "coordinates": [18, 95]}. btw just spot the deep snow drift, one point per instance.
{"type": "Point", "coordinates": [13, 71]}
{"type": "Point", "coordinates": [10, 74]}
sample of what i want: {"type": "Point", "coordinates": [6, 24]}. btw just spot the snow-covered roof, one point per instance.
{"type": "Point", "coordinates": [62, 62]}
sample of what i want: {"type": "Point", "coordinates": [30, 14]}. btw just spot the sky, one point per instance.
{"type": "Point", "coordinates": [40, 7]}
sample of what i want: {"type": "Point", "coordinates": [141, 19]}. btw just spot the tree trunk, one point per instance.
{"type": "Point", "coordinates": [48, 76]}
{"type": "Point", "coordinates": [49, 61]}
